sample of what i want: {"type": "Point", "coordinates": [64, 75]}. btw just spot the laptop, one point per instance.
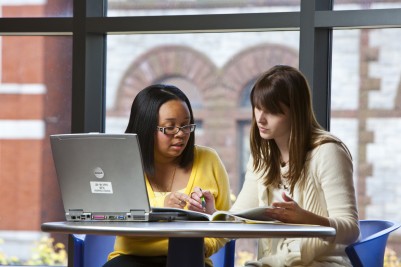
{"type": "Point", "coordinates": [101, 178]}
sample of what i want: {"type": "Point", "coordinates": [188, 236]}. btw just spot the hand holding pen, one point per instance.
{"type": "Point", "coordinates": [201, 200]}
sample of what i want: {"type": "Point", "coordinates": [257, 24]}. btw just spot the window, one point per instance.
{"type": "Point", "coordinates": [35, 8]}
{"type": "Point", "coordinates": [165, 8]}
{"type": "Point", "coordinates": [366, 114]}
{"type": "Point", "coordinates": [209, 77]}
{"type": "Point", "coordinates": [363, 4]}
{"type": "Point", "coordinates": [58, 74]}
{"type": "Point", "coordinates": [35, 101]}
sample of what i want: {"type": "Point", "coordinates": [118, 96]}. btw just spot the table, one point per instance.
{"type": "Point", "coordinates": [186, 239]}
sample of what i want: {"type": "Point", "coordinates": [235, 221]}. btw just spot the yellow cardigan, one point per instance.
{"type": "Point", "coordinates": [208, 173]}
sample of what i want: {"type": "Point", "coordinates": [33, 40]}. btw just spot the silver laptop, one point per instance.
{"type": "Point", "coordinates": [101, 177]}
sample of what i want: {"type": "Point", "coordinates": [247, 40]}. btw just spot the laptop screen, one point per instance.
{"type": "Point", "coordinates": [100, 176]}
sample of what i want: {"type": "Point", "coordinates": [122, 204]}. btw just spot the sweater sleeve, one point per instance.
{"type": "Point", "coordinates": [334, 172]}
{"type": "Point", "coordinates": [247, 198]}
{"type": "Point", "coordinates": [212, 175]}
{"type": "Point", "coordinates": [330, 192]}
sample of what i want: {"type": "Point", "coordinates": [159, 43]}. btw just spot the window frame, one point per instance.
{"type": "Point", "coordinates": [90, 26]}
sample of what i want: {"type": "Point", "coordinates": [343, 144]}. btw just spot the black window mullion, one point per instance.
{"type": "Point", "coordinates": [315, 57]}
{"type": "Point", "coordinates": [88, 70]}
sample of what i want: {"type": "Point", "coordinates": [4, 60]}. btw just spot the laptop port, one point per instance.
{"type": "Point", "coordinates": [99, 217]}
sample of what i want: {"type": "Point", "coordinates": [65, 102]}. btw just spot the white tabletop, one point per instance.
{"type": "Point", "coordinates": [186, 238]}
{"type": "Point", "coordinates": [190, 229]}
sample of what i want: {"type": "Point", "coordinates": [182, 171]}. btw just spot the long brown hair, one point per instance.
{"type": "Point", "coordinates": [285, 85]}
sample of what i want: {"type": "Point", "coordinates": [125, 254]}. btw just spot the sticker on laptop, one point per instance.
{"type": "Point", "coordinates": [101, 187]}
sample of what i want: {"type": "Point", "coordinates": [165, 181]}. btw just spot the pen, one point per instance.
{"type": "Point", "coordinates": [203, 200]}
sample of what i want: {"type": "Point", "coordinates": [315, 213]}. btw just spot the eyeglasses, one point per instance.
{"type": "Point", "coordinates": [171, 130]}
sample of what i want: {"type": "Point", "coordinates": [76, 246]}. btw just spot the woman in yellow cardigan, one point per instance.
{"type": "Point", "coordinates": [175, 167]}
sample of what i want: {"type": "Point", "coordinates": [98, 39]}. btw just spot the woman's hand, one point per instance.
{"type": "Point", "coordinates": [176, 200]}
{"type": "Point", "coordinates": [289, 211]}
{"type": "Point", "coordinates": [201, 201]}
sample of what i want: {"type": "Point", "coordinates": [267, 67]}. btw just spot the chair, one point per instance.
{"type": "Point", "coordinates": [225, 257]}
{"type": "Point", "coordinates": [369, 250]}
{"type": "Point", "coordinates": [92, 251]}
{"type": "Point", "coordinates": [76, 245]}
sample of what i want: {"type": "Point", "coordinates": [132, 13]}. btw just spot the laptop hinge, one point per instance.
{"type": "Point", "coordinates": [138, 215]}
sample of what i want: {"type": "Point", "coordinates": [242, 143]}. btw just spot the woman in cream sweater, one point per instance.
{"type": "Point", "coordinates": [300, 170]}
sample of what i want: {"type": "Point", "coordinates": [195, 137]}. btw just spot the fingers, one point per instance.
{"type": "Point", "coordinates": [287, 204]}
{"type": "Point", "coordinates": [198, 199]}
{"type": "Point", "coordinates": [286, 197]}
{"type": "Point", "coordinates": [202, 201]}
{"type": "Point", "coordinates": [182, 203]}
{"type": "Point", "coordinates": [277, 214]}
{"type": "Point", "coordinates": [208, 195]}
{"type": "Point", "coordinates": [178, 200]}
{"type": "Point", "coordinates": [287, 211]}
{"type": "Point", "coordinates": [197, 193]}
{"type": "Point", "coordinates": [195, 202]}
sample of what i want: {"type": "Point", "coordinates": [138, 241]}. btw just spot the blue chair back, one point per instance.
{"type": "Point", "coordinates": [225, 257]}
{"type": "Point", "coordinates": [78, 250]}
{"type": "Point", "coordinates": [96, 249]}
{"type": "Point", "coordinates": [369, 250]}
{"type": "Point", "coordinates": [92, 251]}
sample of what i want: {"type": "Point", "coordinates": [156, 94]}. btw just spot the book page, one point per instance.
{"type": "Point", "coordinates": [254, 215]}
{"type": "Point", "coordinates": [257, 214]}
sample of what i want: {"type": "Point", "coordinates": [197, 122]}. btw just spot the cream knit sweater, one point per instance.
{"type": "Point", "coordinates": [328, 191]}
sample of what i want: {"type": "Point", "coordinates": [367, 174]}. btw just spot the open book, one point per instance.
{"type": "Point", "coordinates": [254, 215]}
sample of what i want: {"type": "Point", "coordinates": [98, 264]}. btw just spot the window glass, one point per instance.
{"type": "Point", "coordinates": [217, 82]}
{"type": "Point", "coordinates": [210, 77]}
{"type": "Point", "coordinates": [35, 101]}
{"type": "Point", "coordinates": [178, 7]}
{"type": "Point", "coordinates": [35, 8]}
{"type": "Point", "coordinates": [365, 4]}
{"type": "Point", "coordinates": [366, 114]}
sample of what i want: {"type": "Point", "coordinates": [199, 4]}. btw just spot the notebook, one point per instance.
{"type": "Point", "coordinates": [101, 177]}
